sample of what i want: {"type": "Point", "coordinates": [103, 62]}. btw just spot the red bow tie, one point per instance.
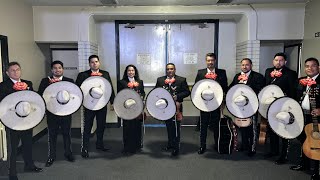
{"type": "Point", "coordinates": [242, 77]}
{"type": "Point", "coordinates": [19, 86]}
{"type": "Point", "coordinates": [307, 82]}
{"type": "Point", "coordinates": [133, 84]}
{"type": "Point", "coordinates": [54, 80]}
{"type": "Point", "coordinates": [169, 81]}
{"type": "Point", "coordinates": [211, 75]}
{"type": "Point", "coordinates": [96, 74]}
{"type": "Point", "coordinates": [275, 73]}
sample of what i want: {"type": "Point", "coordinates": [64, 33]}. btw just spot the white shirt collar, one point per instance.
{"type": "Point", "coordinates": [208, 70]}
{"type": "Point", "coordinates": [131, 79]}
{"type": "Point", "coordinates": [315, 77]}
{"type": "Point", "coordinates": [247, 73]}
{"type": "Point", "coordinates": [14, 81]}
{"type": "Point", "coordinates": [60, 78]}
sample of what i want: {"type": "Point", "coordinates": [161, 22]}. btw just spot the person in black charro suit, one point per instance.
{"type": "Point", "coordinates": [211, 118]}
{"type": "Point", "coordinates": [177, 86]}
{"type": "Point", "coordinates": [89, 115]}
{"type": "Point", "coordinates": [132, 129]}
{"type": "Point", "coordinates": [286, 79]}
{"type": "Point", "coordinates": [256, 81]}
{"type": "Point", "coordinates": [13, 137]}
{"type": "Point", "coordinates": [55, 122]}
{"type": "Point", "coordinates": [312, 71]}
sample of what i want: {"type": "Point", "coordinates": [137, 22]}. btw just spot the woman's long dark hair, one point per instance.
{"type": "Point", "coordinates": [125, 74]}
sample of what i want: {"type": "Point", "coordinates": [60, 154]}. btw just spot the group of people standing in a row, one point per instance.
{"type": "Point", "coordinates": [279, 75]}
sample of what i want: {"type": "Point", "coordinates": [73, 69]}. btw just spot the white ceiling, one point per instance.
{"type": "Point", "coordinates": [152, 2]}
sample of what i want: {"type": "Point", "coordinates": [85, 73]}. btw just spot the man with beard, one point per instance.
{"type": "Point", "coordinates": [286, 79]}
{"type": "Point", "coordinates": [55, 122]}
{"type": "Point", "coordinates": [256, 81]}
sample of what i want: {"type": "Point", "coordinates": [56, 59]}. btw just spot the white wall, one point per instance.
{"type": "Point", "coordinates": [17, 24]}
{"type": "Point", "coordinates": [283, 22]}
{"type": "Point", "coordinates": [267, 51]}
{"type": "Point", "coordinates": [227, 47]}
{"type": "Point", "coordinates": [311, 44]}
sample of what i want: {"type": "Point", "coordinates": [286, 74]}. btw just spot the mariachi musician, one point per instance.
{"type": "Point", "coordinates": [285, 78]}
{"type": "Point", "coordinates": [55, 122]}
{"type": "Point", "coordinates": [13, 84]}
{"type": "Point", "coordinates": [132, 129]}
{"type": "Point", "coordinates": [177, 86]}
{"type": "Point", "coordinates": [89, 115]}
{"type": "Point", "coordinates": [256, 81]}
{"type": "Point", "coordinates": [213, 117]}
{"type": "Point", "coordinates": [312, 80]}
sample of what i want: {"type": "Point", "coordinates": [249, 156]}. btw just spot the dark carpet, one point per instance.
{"type": "Point", "coordinates": [152, 163]}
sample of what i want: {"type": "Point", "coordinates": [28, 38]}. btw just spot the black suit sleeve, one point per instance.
{"type": "Point", "coordinates": [198, 77]}
{"type": "Point", "coordinates": [80, 79]}
{"type": "Point", "coordinates": [292, 85]}
{"type": "Point", "coordinates": [120, 86]}
{"type": "Point", "coordinates": [2, 91]}
{"type": "Point", "coordinates": [42, 86]}
{"type": "Point", "coordinates": [234, 81]}
{"type": "Point", "coordinates": [259, 83]}
{"type": "Point", "coordinates": [107, 76]}
{"type": "Point", "coordinates": [224, 81]}
{"type": "Point", "coordinates": [142, 93]}
{"type": "Point", "coordinates": [158, 83]}
{"type": "Point", "coordinates": [184, 92]}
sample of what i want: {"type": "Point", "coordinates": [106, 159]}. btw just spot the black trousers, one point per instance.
{"type": "Point", "coordinates": [206, 119]}
{"type": "Point", "coordinates": [132, 135]}
{"type": "Point", "coordinates": [173, 130]}
{"type": "Point", "coordinates": [305, 161]}
{"type": "Point", "coordinates": [274, 144]}
{"type": "Point", "coordinates": [249, 136]}
{"type": "Point", "coordinates": [13, 139]}
{"type": "Point", "coordinates": [88, 122]}
{"type": "Point", "coordinates": [54, 123]}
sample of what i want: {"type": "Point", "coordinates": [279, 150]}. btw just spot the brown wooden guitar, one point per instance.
{"type": "Point", "coordinates": [263, 131]}
{"type": "Point", "coordinates": [311, 146]}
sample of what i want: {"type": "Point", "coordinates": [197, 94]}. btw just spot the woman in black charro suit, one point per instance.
{"type": "Point", "coordinates": [132, 132]}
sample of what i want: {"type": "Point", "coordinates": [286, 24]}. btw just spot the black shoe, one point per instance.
{"type": "Point", "coordinates": [251, 153]}
{"type": "Point", "coordinates": [315, 177]}
{"type": "Point", "coordinates": [69, 158]}
{"type": "Point", "coordinates": [298, 168]}
{"type": "Point", "coordinates": [175, 152]}
{"type": "Point", "coordinates": [84, 153]}
{"type": "Point", "coordinates": [167, 148]}
{"type": "Point", "coordinates": [13, 178]}
{"type": "Point", "coordinates": [281, 161]}
{"type": "Point", "coordinates": [49, 162]}
{"type": "Point", "coordinates": [269, 155]}
{"type": "Point", "coordinates": [202, 150]}
{"type": "Point", "coordinates": [102, 148]}
{"type": "Point", "coordinates": [33, 169]}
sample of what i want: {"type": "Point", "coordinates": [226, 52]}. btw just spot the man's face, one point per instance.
{"type": "Point", "coordinates": [279, 62]}
{"type": "Point", "coordinates": [211, 61]}
{"type": "Point", "coordinates": [246, 66]}
{"type": "Point", "coordinates": [14, 72]}
{"type": "Point", "coordinates": [94, 64]}
{"type": "Point", "coordinates": [171, 70]}
{"type": "Point", "coordinates": [57, 70]}
{"type": "Point", "coordinates": [311, 68]}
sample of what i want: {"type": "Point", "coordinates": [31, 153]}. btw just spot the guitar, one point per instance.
{"type": "Point", "coordinates": [242, 122]}
{"type": "Point", "coordinates": [311, 146]}
{"type": "Point", "coordinates": [263, 130]}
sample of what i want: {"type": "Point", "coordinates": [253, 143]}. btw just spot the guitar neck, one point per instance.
{"type": "Point", "coordinates": [314, 118]}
